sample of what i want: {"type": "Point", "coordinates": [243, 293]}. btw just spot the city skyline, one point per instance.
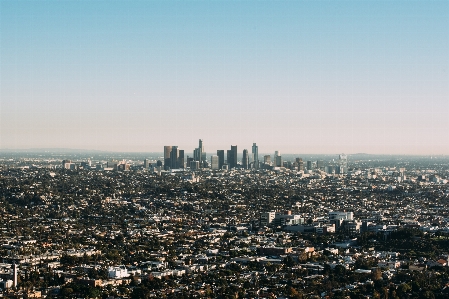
{"type": "Point", "coordinates": [319, 77]}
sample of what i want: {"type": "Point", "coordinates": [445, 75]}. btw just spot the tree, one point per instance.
{"type": "Point", "coordinates": [140, 293]}
{"type": "Point", "coordinates": [65, 292]}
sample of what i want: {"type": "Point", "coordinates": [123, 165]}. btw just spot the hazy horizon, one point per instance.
{"type": "Point", "coordinates": [323, 77]}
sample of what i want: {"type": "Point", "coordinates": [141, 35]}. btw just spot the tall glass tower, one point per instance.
{"type": "Point", "coordinates": [255, 152]}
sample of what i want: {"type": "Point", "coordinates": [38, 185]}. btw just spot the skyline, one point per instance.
{"type": "Point", "coordinates": [320, 77]}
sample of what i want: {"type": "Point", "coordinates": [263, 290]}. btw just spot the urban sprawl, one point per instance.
{"type": "Point", "coordinates": [228, 225]}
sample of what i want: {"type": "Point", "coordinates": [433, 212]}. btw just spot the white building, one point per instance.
{"type": "Point", "coordinates": [118, 272]}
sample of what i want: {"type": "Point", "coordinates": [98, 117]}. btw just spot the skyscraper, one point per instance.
{"type": "Point", "coordinates": [220, 154]}
{"type": "Point", "coordinates": [188, 160]}
{"type": "Point", "coordinates": [200, 152]}
{"type": "Point", "coordinates": [196, 154]}
{"type": "Point", "coordinates": [300, 163]}
{"type": "Point", "coordinates": [214, 161]}
{"type": "Point", "coordinates": [194, 165]}
{"type": "Point", "coordinates": [203, 160]}
{"type": "Point", "coordinates": [245, 160]}
{"type": "Point", "coordinates": [174, 157]}
{"type": "Point", "coordinates": [234, 153]}
{"type": "Point", "coordinates": [232, 156]}
{"type": "Point", "coordinates": [167, 151]}
{"type": "Point", "coordinates": [255, 152]}
{"type": "Point", "coordinates": [278, 161]}
{"type": "Point", "coordinates": [229, 157]}
{"type": "Point", "coordinates": [181, 159]}
{"type": "Point", "coordinates": [267, 159]}
{"type": "Point", "coordinates": [309, 165]}
{"type": "Point", "coordinates": [343, 163]}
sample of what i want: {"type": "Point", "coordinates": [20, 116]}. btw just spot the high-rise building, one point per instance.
{"type": "Point", "coordinates": [181, 159]}
{"type": "Point", "coordinates": [245, 160]}
{"type": "Point", "coordinates": [277, 159]}
{"type": "Point", "coordinates": [146, 164]}
{"type": "Point", "coordinates": [174, 157]}
{"type": "Point", "coordinates": [320, 164]}
{"type": "Point", "coordinates": [214, 162]}
{"type": "Point", "coordinates": [300, 164]}
{"type": "Point", "coordinates": [343, 163]}
{"type": "Point", "coordinates": [220, 154]}
{"type": "Point", "coordinates": [196, 154]}
{"type": "Point", "coordinates": [194, 165]}
{"type": "Point", "coordinates": [267, 159]}
{"type": "Point", "coordinates": [234, 153]}
{"type": "Point", "coordinates": [204, 160]}
{"type": "Point", "coordinates": [200, 152]}
{"type": "Point", "coordinates": [188, 160]}
{"type": "Point", "coordinates": [255, 152]}
{"type": "Point", "coordinates": [279, 162]}
{"type": "Point", "coordinates": [229, 157]}
{"type": "Point", "coordinates": [309, 165]}
{"type": "Point", "coordinates": [338, 169]}
{"type": "Point", "coordinates": [167, 151]}
{"type": "Point", "coordinates": [232, 157]}
{"type": "Point", "coordinates": [276, 153]}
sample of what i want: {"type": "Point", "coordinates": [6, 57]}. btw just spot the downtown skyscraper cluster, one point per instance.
{"type": "Point", "coordinates": [174, 158]}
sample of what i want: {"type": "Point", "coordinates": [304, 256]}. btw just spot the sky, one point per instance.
{"type": "Point", "coordinates": [319, 77]}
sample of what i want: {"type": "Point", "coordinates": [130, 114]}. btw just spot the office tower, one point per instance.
{"type": "Point", "coordinates": [200, 152]}
{"type": "Point", "coordinates": [278, 161]}
{"type": "Point", "coordinates": [255, 152]}
{"type": "Point", "coordinates": [276, 153]}
{"type": "Point", "coordinates": [338, 169]}
{"type": "Point", "coordinates": [245, 160]}
{"type": "Point", "coordinates": [220, 154]}
{"type": "Point", "coordinates": [309, 165]}
{"type": "Point", "coordinates": [181, 159]}
{"type": "Point", "coordinates": [229, 157]}
{"type": "Point", "coordinates": [194, 165]}
{"type": "Point", "coordinates": [174, 157]}
{"type": "Point", "coordinates": [146, 163]}
{"type": "Point", "coordinates": [267, 159]}
{"type": "Point", "coordinates": [159, 163]}
{"type": "Point", "coordinates": [320, 164]}
{"type": "Point", "coordinates": [232, 157]}
{"type": "Point", "coordinates": [196, 154]}
{"type": "Point", "coordinates": [300, 164]}
{"type": "Point", "coordinates": [214, 162]}
{"type": "Point", "coordinates": [343, 163]}
{"type": "Point", "coordinates": [167, 151]}
{"type": "Point", "coordinates": [188, 160]}
{"type": "Point", "coordinates": [203, 160]}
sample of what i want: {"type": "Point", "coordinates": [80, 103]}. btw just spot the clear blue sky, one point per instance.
{"type": "Point", "coordinates": [294, 76]}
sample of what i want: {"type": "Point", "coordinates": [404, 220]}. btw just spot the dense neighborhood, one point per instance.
{"type": "Point", "coordinates": [83, 229]}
